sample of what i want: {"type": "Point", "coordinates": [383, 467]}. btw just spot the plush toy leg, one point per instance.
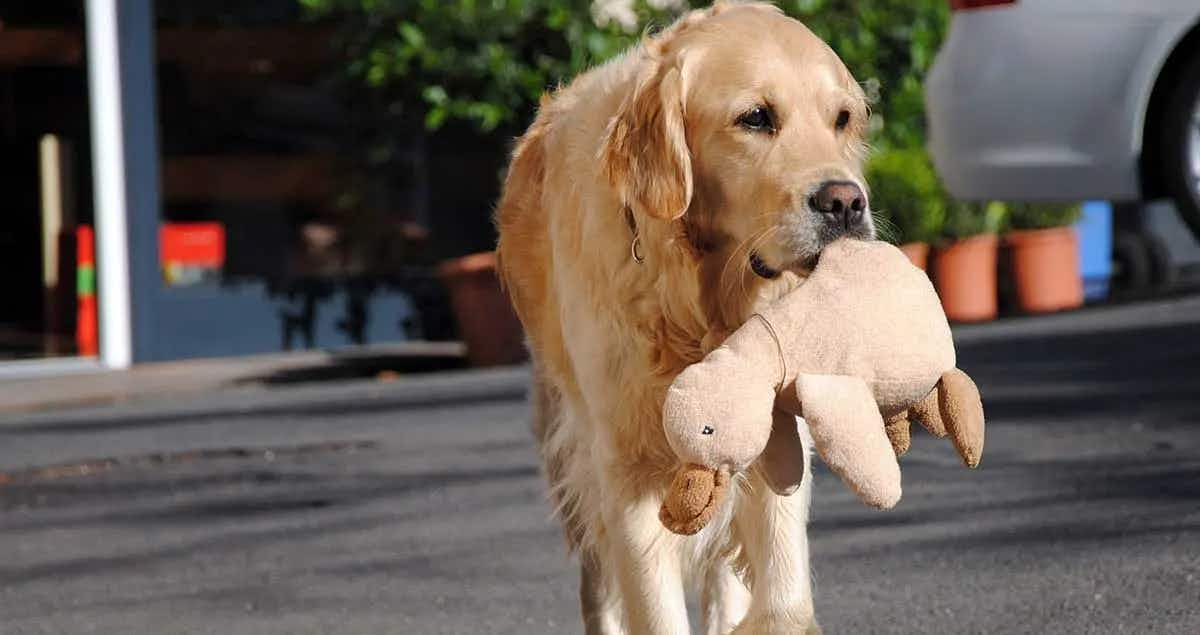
{"type": "Point", "coordinates": [784, 457]}
{"type": "Point", "coordinates": [693, 498]}
{"type": "Point", "coordinates": [962, 411]}
{"type": "Point", "coordinates": [848, 433]}
{"type": "Point", "coordinates": [899, 433]}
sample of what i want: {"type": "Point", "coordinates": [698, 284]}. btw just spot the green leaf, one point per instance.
{"type": "Point", "coordinates": [435, 118]}
{"type": "Point", "coordinates": [411, 34]}
{"type": "Point", "coordinates": [435, 95]}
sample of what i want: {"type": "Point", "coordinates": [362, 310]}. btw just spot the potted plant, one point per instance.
{"type": "Point", "coordinates": [1043, 256]}
{"type": "Point", "coordinates": [964, 261]}
{"type": "Point", "coordinates": [486, 321]}
{"type": "Point", "coordinates": [907, 200]}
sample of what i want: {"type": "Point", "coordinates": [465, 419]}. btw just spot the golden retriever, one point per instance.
{"type": "Point", "coordinates": [650, 207]}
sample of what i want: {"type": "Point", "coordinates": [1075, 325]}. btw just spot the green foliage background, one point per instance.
{"type": "Point", "coordinates": [488, 61]}
{"type": "Point", "coordinates": [885, 43]}
{"type": "Point", "coordinates": [481, 61]}
{"type": "Point", "coordinates": [1043, 215]}
{"type": "Point", "coordinates": [906, 195]}
{"type": "Point", "coordinates": [429, 63]}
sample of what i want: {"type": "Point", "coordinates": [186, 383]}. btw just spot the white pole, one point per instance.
{"type": "Point", "coordinates": [108, 175]}
{"type": "Point", "coordinates": [58, 216]}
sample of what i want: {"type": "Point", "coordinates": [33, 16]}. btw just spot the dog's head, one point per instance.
{"type": "Point", "coordinates": [747, 129]}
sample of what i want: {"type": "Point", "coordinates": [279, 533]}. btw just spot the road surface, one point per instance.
{"type": "Point", "coordinates": [415, 506]}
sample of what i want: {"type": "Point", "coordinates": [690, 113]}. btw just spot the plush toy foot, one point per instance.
{"type": "Point", "coordinates": [962, 411]}
{"type": "Point", "coordinates": [929, 414]}
{"type": "Point", "coordinates": [953, 408]}
{"type": "Point", "coordinates": [899, 433]}
{"type": "Point", "coordinates": [693, 498]}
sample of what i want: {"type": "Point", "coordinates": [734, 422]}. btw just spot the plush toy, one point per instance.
{"type": "Point", "coordinates": [855, 350]}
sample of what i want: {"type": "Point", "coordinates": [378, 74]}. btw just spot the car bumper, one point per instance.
{"type": "Point", "coordinates": [1025, 103]}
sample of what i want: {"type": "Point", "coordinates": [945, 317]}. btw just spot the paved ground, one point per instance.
{"type": "Point", "coordinates": [415, 506]}
{"type": "Point", "coordinates": [34, 385]}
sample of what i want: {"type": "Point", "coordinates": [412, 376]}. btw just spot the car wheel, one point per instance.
{"type": "Point", "coordinates": [1180, 143]}
{"type": "Point", "coordinates": [1132, 271]}
{"type": "Point", "coordinates": [1141, 263]}
{"type": "Point", "coordinates": [1162, 268]}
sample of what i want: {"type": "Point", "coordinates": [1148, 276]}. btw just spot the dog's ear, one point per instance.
{"type": "Point", "coordinates": [646, 154]}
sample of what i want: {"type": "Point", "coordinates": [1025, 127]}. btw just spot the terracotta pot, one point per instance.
{"type": "Point", "coordinates": [1045, 269]}
{"type": "Point", "coordinates": [964, 272]}
{"type": "Point", "coordinates": [918, 253]}
{"type": "Point", "coordinates": [486, 321]}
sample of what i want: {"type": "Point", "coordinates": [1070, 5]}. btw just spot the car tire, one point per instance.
{"type": "Point", "coordinates": [1162, 268]}
{"type": "Point", "coordinates": [1179, 144]}
{"type": "Point", "coordinates": [1133, 271]}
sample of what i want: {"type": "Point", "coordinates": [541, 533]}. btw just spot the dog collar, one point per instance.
{"type": "Point", "coordinates": [635, 247]}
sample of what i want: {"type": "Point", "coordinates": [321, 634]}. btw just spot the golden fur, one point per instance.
{"type": "Point", "coordinates": [655, 132]}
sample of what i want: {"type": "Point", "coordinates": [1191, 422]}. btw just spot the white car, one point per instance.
{"type": "Point", "coordinates": [1069, 100]}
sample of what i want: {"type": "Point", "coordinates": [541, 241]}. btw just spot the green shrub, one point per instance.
{"type": "Point", "coordinates": [906, 195]}
{"type": "Point", "coordinates": [1043, 215]}
{"type": "Point", "coordinates": [485, 62]}
{"type": "Point", "coordinates": [965, 219]}
{"type": "Point", "coordinates": [418, 66]}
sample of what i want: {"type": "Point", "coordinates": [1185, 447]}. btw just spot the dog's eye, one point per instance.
{"type": "Point", "coordinates": [843, 120]}
{"type": "Point", "coordinates": [759, 118]}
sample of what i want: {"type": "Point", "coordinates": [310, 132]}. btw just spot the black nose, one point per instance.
{"type": "Point", "coordinates": [841, 203]}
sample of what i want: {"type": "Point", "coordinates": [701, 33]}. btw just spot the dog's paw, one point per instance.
{"type": "Point", "coordinates": [792, 623]}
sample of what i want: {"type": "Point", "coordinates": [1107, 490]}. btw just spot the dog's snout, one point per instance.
{"type": "Point", "coordinates": [842, 203]}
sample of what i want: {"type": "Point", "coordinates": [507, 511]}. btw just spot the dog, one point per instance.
{"type": "Point", "coordinates": [650, 207]}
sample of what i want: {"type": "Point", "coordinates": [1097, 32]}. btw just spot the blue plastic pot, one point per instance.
{"type": "Point", "coordinates": [1095, 231]}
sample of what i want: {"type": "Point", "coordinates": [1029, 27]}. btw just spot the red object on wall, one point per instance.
{"type": "Point", "coordinates": [85, 246]}
{"type": "Point", "coordinates": [192, 244]}
{"type": "Point", "coordinates": [87, 338]}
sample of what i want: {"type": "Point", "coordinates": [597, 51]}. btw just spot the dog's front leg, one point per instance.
{"type": "Point", "coordinates": [772, 531]}
{"type": "Point", "coordinates": [723, 598]}
{"type": "Point", "coordinates": [647, 567]}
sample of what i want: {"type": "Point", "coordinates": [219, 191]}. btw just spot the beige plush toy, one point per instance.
{"type": "Point", "coordinates": [855, 350]}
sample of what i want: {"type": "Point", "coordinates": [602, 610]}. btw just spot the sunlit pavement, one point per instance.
{"type": "Point", "coordinates": [415, 506]}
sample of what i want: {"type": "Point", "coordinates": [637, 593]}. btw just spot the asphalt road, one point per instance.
{"type": "Point", "coordinates": [416, 507]}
